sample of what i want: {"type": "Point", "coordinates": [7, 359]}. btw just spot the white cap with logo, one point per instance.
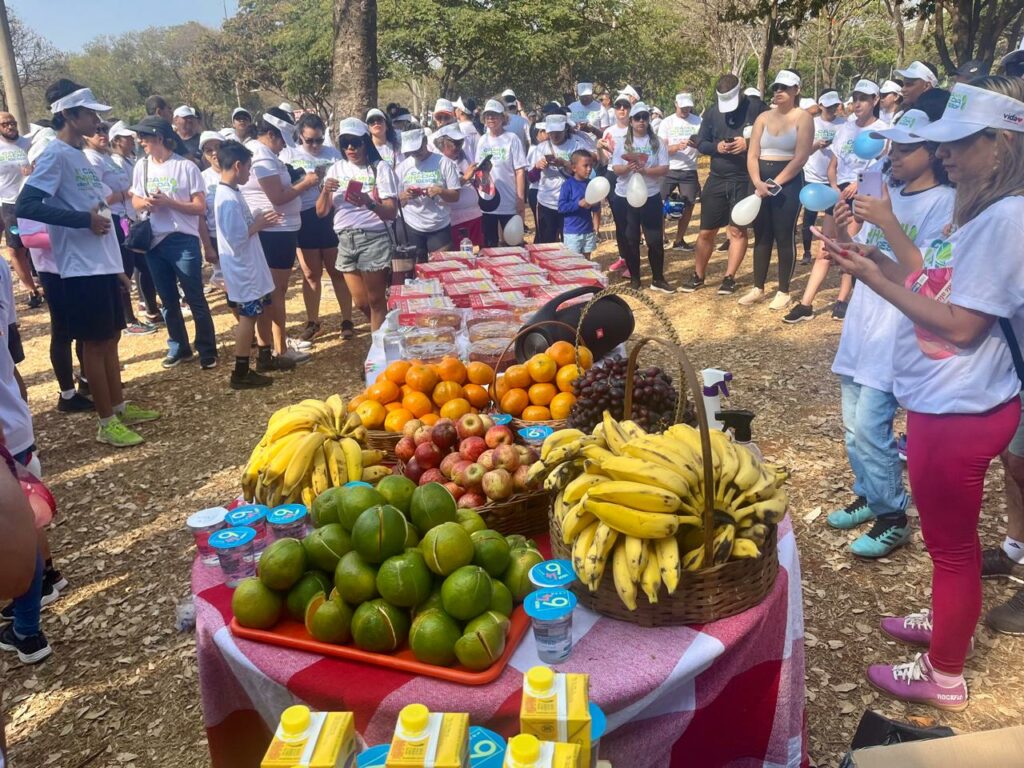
{"type": "Point", "coordinates": [829, 99]}
{"type": "Point", "coordinates": [352, 126]}
{"type": "Point", "coordinates": [867, 87]}
{"type": "Point", "coordinates": [584, 89]}
{"type": "Point", "coordinates": [970, 110]}
{"type": "Point", "coordinates": [444, 106]}
{"type": "Point", "coordinates": [905, 130]}
{"type": "Point", "coordinates": [890, 86]}
{"type": "Point", "coordinates": [184, 111]}
{"type": "Point", "coordinates": [412, 140]}
{"type": "Point", "coordinates": [786, 78]}
{"type": "Point", "coordinates": [494, 106]}
{"type": "Point", "coordinates": [555, 123]}
{"type": "Point", "coordinates": [918, 71]}
{"type": "Point", "coordinates": [684, 100]}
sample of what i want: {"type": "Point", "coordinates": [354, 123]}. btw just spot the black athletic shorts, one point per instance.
{"type": "Point", "coordinates": [316, 233]}
{"type": "Point", "coordinates": [94, 309]}
{"type": "Point", "coordinates": [718, 198]}
{"type": "Point", "coordinates": [10, 226]}
{"type": "Point", "coordinates": [279, 248]}
{"type": "Point", "coordinates": [14, 343]}
{"type": "Point", "coordinates": [687, 183]}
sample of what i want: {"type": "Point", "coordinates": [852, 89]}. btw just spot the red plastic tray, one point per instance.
{"type": "Point", "coordinates": [292, 634]}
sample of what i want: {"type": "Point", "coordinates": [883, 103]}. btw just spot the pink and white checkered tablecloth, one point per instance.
{"type": "Point", "coordinates": [729, 693]}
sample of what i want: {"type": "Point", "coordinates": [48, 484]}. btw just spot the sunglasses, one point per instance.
{"type": "Point", "coordinates": [622, 106]}
{"type": "Point", "coordinates": [779, 87]}
{"type": "Point", "coordinates": [641, 118]}
{"type": "Point", "coordinates": [313, 142]}
{"type": "Point", "coordinates": [375, 121]}
{"type": "Point", "coordinates": [6, 123]}
{"type": "Point", "coordinates": [353, 142]}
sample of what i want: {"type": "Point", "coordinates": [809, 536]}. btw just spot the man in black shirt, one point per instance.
{"type": "Point", "coordinates": [723, 130]}
{"type": "Point", "coordinates": [157, 105]}
{"type": "Point", "coordinates": [186, 125]}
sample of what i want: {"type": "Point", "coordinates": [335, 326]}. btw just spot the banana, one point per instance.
{"type": "Point", "coordinates": [636, 556]}
{"type": "Point", "coordinates": [725, 537]}
{"type": "Point", "coordinates": [744, 548]}
{"type": "Point", "coordinates": [359, 434]}
{"type": "Point", "coordinates": [375, 474]}
{"type": "Point", "coordinates": [320, 479]}
{"type": "Point", "coordinates": [771, 510]}
{"type": "Point", "coordinates": [282, 424]}
{"type": "Point", "coordinates": [537, 470]}
{"type": "Point", "coordinates": [694, 559]}
{"type": "Point", "coordinates": [762, 490]}
{"type": "Point", "coordinates": [560, 476]}
{"type": "Point", "coordinates": [729, 464]}
{"type": "Point", "coordinates": [667, 550]}
{"type": "Point", "coordinates": [749, 472]}
{"type": "Point", "coordinates": [597, 453]}
{"type": "Point", "coordinates": [371, 457]}
{"type": "Point", "coordinates": [597, 555]}
{"type": "Point", "coordinates": [624, 585]}
{"type": "Point", "coordinates": [559, 507]}
{"type": "Point", "coordinates": [650, 579]}
{"type": "Point", "coordinates": [351, 426]}
{"type": "Point", "coordinates": [613, 434]}
{"type": "Point", "coordinates": [632, 522]}
{"type": "Point", "coordinates": [598, 432]}
{"type": "Point", "coordinates": [664, 457]}
{"type": "Point", "coordinates": [308, 497]}
{"type": "Point", "coordinates": [301, 461]}
{"type": "Point", "coordinates": [592, 467]}
{"type": "Point", "coordinates": [581, 546]}
{"type": "Point", "coordinates": [279, 454]}
{"type": "Point", "coordinates": [695, 520]}
{"type": "Point", "coordinates": [574, 491]}
{"type": "Point", "coordinates": [575, 521]}
{"type": "Point", "coordinates": [339, 410]}
{"type": "Point", "coordinates": [690, 437]}
{"type": "Point", "coordinates": [640, 471]}
{"type": "Point", "coordinates": [273, 493]}
{"type": "Point", "coordinates": [757, 533]}
{"type": "Point", "coordinates": [335, 463]}
{"type": "Point", "coordinates": [558, 438]}
{"type": "Point", "coordinates": [568, 451]}
{"type": "Point", "coordinates": [353, 458]}
{"type": "Point", "coordinates": [324, 411]}
{"type": "Point", "coordinates": [636, 495]}
{"type": "Point", "coordinates": [631, 429]}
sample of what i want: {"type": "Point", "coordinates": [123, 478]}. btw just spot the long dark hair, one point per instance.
{"type": "Point", "coordinates": [263, 127]}
{"type": "Point", "coordinates": [59, 90]}
{"type": "Point", "coordinates": [933, 104]}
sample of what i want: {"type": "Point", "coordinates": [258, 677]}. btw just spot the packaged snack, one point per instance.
{"type": "Point", "coordinates": [579, 277]}
{"type": "Point", "coordinates": [519, 269]}
{"type": "Point", "coordinates": [500, 261]}
{"type": "Point", "coordinates": [489, 351]}
{"type": "Point", "coordinates": [493, 329]}
{"type": "Point", "coordinates": [419, 316]}
{"type": "Point", "coordinates": [413, 336]}
{"type": "Point", "coordinates": [464, 276]}
{"type": "Point", "coordinates": [461, 293]}
{"type": "Point", "coordinates": [430, 352]}
{"type": "Point", "coordinates": [520, 282]}
{"type": "Point", "coordinates": [567, 264]}
{"type": "Point", "coordinates": [534, 247]}
{"type": "Point", "coordinates": [438, 268]}
{"type": "Point", "coordinates": [458, 256]}
{"type": "Point", "coordinates": [504, 251]}
{"type": "Point", "coordinates": [485, 316]}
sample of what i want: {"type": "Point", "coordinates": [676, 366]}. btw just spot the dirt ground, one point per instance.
{"type": "Point", "coordinates": [121, 688]}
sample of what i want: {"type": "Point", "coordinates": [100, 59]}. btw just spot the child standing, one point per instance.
{"type": "Point", "coordinates": [247, 277]}
{"type": "Point", "coordinates": [578, 224]}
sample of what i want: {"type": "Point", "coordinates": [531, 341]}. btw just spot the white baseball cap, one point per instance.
{"type": "Point", "coordinates": [120, 128]}
{"type": "Point", "coordinates": [494, 106]}
{"type": "Point", "coordinates": [869, 87]}
{"type": "Point", "coordinates": [81, 98]}
{"type": "Point", "coordinates": [228, 133]}
{"type": "Point", "coordinates": [890, 86]}
{"type": "Point", "coordinates": [402, 117]}
{"type": "Point", "coordinates": [905, 129]}
{"type": "Point", "coordinates": [555, 123]}
{"type": "Point", "coordinates": [684, 100]}
{"type": "Point", "coordinates": [184, 111]}
{"type": "Point", "coordinates": [621, 96]}
{"type": "Point", "coordinates": [807, 103]}
{"type": "Point", "coordinates": [508, 92]}
{"type": "Point", "coordinates": [728, 101]}
{"type": "Point", "coordinates": [412, 140]}
{"type": "Point", "coordinates": [971, 109]}
{"type": "Point", "coordinates": [352, 126]}
{"type": "Point", "coordinates": [240, 111]}
{"type": "Point", "coordinates": [451, 131]}
{"type": "Point", "coordinates": [375, 113]}
{"type": "Point", "coordinates": [639, 108]}
{"type": "Point", "coordinates": [657, 111]}
{"type": "Point", "coordinates": [630, 91]}
{"type": "Point", "coordinates": [541, 126]}
{"type": "Point", "coordinates": [444, 106]}
{"type": "Point", "coordinates": [206, 136]}
{"type": "Point", "coordinates": [787, 78]}
{"type": "Point", "coordinates": [753, 92]}
{"type": "Point", "coordinates": [284, 106]}
{"type": "Point", "coordinates": [829, 99]}
{"type": "Point", "coordinates": [584, 89]}
{"type": "Point", "coordinates": [460, 105]}
{"type": "Point", "coordinates": [918, 71]}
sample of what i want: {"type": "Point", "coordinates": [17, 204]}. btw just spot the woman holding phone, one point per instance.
{"type": "Point", "coordinates": [552, 160]}
{"type": "Point", "coordinates": [611, 138]}
{"type": "Point", "coordinates": [508, 169]}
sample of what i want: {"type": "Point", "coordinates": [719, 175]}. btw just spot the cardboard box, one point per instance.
{"type": "Point", "coordinates": [1002, 748]}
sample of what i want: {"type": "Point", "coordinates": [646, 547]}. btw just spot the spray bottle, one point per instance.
{"type": "Point", "coordinates": [715, 385]}
{"type": "Point", "coordinates": [739, 422]}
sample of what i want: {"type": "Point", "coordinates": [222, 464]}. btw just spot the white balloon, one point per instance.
{"type": "Point", "coordinates": [597, 190]}
{"type": "Point", "coordinates": [636, 191]}
{"type": "Point", "coordinates": [748, 132]}
{"type": "Point", "coordinates": [746, 210]}
{"type": "Point", "coordinates": [513, 231]}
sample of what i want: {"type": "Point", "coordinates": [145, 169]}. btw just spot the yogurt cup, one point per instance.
{"type": "Point", "coordinates": [289, 521]}
{"type": "Point", "coordinates": [552, 573]}
{"type": "Point", "coordinates": [535, 435]}
{"type": "Point", "coordinates": [202, 524]}
{"type": "Point", "coordinates": [251, 516]}
{"type": "Point", "coordinates": [501, 419]}
{"type": "Point", "coordinates": [551, 613]}
{"type": "Point", "coordinates": [598, 726]}
{"type": "Point", "coordinates": [235, 553]}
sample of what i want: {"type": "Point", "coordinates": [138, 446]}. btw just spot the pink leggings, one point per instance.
{"type": "Point", "coordinates": [947, 458]}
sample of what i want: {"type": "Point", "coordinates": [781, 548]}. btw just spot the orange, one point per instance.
{"type": "Point", "coordinates": [396, 371]}
{"type": "Point", "coordinates": [535, 413]}
{"type": "Point", "coordinates": [566, 375]}
{"type": "Point", "coordinates": [514, 401]}
{"type": "Point", "coordinates": [480, 373]}
{"type": "Point", "coordinates": [405, 389]}
{"type": "Point", "coordinates": [561, 404]}
{"type": "Point", "coordinates": [501, 386]}
{"type": "Point", "coordinates": [380, 377]}
{"type": "Point", "coordinates": [517, 376]}
{"type": "Point", "coordinates": [586, 358]}
{"type": "Point", "coordinates": [372, 413]}
{"type": "Point", "coordinates": [542, 368]}
{"type": "Point", "coordinates": [355, 401]}
{"type": "Point", "coordinates": [417, 404]}
{"type": "Point", "coordinates": [455, 408]}
{"type": "Point", "coordinates": [421, 378]}
{"type": "Point", "coordinates": [452, 369]}
{"type": "Point", "coordinates": [393, 406]}
{"type": "Point", "coordinates": [385, 391]}
{"type": "Point", "coordinates": [430, 419]}
{"type": "Point", "coordinates": [447, 390]}
{"type": "Point", "coordinates": [476, 395]}
{"type": "Point", "coordinates": [541, 394]}
{"type": "Point", "coordinates": [396, 419]}
{"type": "Point", "coordinates": [562, 352]}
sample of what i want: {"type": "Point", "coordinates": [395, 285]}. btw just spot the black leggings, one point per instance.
{"type": "Point", "coordinates": [775, 225]}
{"type": "Point", "coordinates": [549, 225]}
{"type": "Point", "coordinates": [60, 332]}
{"type": "Point", "coordinates": [491, 222]}
{"type": "Point", "coordinates": [619, 206]}
{"type": "Point", "coordinates": [810, 220]}
{"type": "Point", "coordinates": [649, 217]}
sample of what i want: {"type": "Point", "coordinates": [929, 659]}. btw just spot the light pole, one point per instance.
{"type": "Point", "coordinates": [9, 72]}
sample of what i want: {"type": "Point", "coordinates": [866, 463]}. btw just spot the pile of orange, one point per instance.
{"type": "Point", "coordinates": [408, 390]}
{"type": "Point", "coordinates": [541, 388]}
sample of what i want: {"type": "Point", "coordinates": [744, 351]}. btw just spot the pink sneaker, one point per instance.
{"type": "Point", "coordinates": [913, 682]}
{"type": "Point", "coordinates": [915, 629]}
{"type": "Point", "coordinates": [617, 266]}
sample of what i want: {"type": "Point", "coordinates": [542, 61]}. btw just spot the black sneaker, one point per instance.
{"type": "Point", "coordinates": [693, 284]}
{"type": "Point", "coordinates": [996, 564]}
{"type": "Point", "coordinates": [83, 388]}
{"type": "Point", "coordinates": [31, 650]}
{"type": "Point", "coordinates": [208, 363]}
{"type": "Point", "coordinates": [74, 404]}
{"type": "Point", "coordinates": [275, 363]}
{"type": "Point", "coordinates": [728, 286]}
{"type": "Point", "coordinates": [634, 283]}
{"type": "Point", "coordinates": [1008, 618]}
{"type": "Point", "coordinates": [251, 380]}
{"type": "Point", "coordinates": [806, 259]}
{"type": "Point", "coordinates": [348, 330]}
{"type": "Point", "coordinates": [35, 301]}
{"type": "Point", "coordinates": [724, 246]}
{"type": "Point", "coordinates": [662, 286]}
{"type": "Point", "coordinates": [839, 310]}
{"type": "Point", "coordinates": [682, 245]}
{"type": "Point", "coordinates": [798, 313]}
{"type": "Point", "coordinates": [171, 361]}
{"type": "Point", "coordinates": [50, 594]}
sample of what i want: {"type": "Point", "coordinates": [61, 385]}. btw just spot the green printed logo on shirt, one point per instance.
{"type": "Point", "coordinates": [166, 184]}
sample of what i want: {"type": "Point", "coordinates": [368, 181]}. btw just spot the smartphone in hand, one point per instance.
{"type": "Point", "coordinates": [353, 191]}
{"type": "Point", "coordinates": [485, 164]}
{"type": "Point", "coordinates": [825, 238]}
{"type": "Point", "coordinates": [869, 183]}
{"type": "Point", "coordinates": [773, 187]}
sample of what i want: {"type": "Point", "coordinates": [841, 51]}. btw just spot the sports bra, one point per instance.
{"type": "Point", "coordinates": [781, 147]}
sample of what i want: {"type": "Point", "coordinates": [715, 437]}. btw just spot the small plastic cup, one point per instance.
{"type": "Point", "coordinates": [598, 726]}
{"type": "Point", "coordinates": [289, 521]}
{"type": "Point", "coordinates": [552, 573]}
{"type": "Point", "coordinates": [251, 516]}
{"type": "Point", "coordinates": [551, 613]}
{"type": "Point", "coordinates": [235, 553]}
{"type": "Point", "coordinates": [501, 419]}
{"type": "Point", "coordinates": [535, 436]}
{"type": "Point", "coordinates": [202, 524]}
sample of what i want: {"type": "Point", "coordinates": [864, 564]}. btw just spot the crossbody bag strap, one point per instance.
{"type": "Point", "coordinates": [1015, 353]}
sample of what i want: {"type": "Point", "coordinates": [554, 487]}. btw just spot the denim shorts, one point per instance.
{"type": "Point", "coordinates": [361, 250]}
{"type": "Point", "coordinates": [582, 243]}
{"type": "Point", "coordinates": [253, 308]}
{"type": "Point", "coordinates": [1016, 446]}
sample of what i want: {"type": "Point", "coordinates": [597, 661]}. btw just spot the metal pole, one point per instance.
{"type": "Point", "coordinates": [9, 72]}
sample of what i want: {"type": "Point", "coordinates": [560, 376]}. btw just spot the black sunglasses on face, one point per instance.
{"type": "Point", "coordinates": [6, 123]}
{"type": "Point", "coordinates": [778, 87]}
{"type": "Point", "coordinates": [350, 142]}
{"type": "Point", "coordinates": [622, 106]}
{"type": "Point", "coordinates": [313, 142]}
{"type": "Point", "coordinates": [642, 117]}
{"type": "Point", "coordinates": [375, 121]}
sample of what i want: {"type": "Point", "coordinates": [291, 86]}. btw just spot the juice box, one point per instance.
{"type": "Point", "coordinates": [313, 739]}
{"type": "Point", "coordinates": [526, 751]}
{"type": "Point", "coordinates": [556, 707]}
{"type": "Point", "coordinates": [422, 738]}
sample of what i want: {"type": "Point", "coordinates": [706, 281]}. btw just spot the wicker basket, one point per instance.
{"type": "Point", "coordinates": [378, 439]}
{"type": "Point", "coordinates": [713, 593]}
{"type": "Point", "coordinates": [524, 513]}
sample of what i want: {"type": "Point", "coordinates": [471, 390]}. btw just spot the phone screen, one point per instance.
{"type": "Point", "coordinates": [823, 237]}
{"type": "Point", "coordinates": [352, 190]}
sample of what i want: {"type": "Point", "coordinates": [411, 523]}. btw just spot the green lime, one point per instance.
{"type": "Point", "coordinates": [432, 637]}
{"type": "Point", "coordinates": [397, 491]}
{"type": "Point", "coordinates": [517, 575]}
{"type": "Point", "coordinates": [379, 533]}
{"type": "Point", "coordinates": [490, 552]}
{"type": "Point", "coordinates": [310, 584]}
{"type": "Point", "coordinates": [518, 541]}
{"type": "Point", "coordinates": [470, 520]}
{"type": "Point", "coordinates": [481, 648]}
{"type": "Point", "coordinates": [282, 564]}
{"type": "Point", "coordinates": [431, 505]}
{"type": "Point", "coordinates": [326, 507]}
{"type": "Point", "coordinates": [355, 499]}
{"type": "Point", "coordinates": [255, 605]}
{"type": "Point", "coordinates": [433, 601]}
{"type": "Point", "coordinates": [379, 626]}
{"type": "Point", "coordinates": [489, 617]}
{"type": "Point", "coordinates": [355, 579]}
{"type": "Point", "coordinates": [329, 621]}
{"type": "Point", "coordinates": [446, 548]}
{"type": "Point", "coordinates": [501, 598]}
{"type": "Point", "coordinates": [325, 546]}
{"type": "Point", "coordinates": [404, 580]}
{"type": "Point", "coordinates": [412, 536]}
{"type": "Point", "coordinates": [466, 593]}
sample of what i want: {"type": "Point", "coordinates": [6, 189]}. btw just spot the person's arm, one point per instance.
{"type": "Point", "coordinates": [833, 170]}
{"type": "Point", "coordinates": [325, 202]}
{"type": "Point", "coordinates": [804, 147]}
{"type": "Point", "coordinates": [18, 541]}
{"type": "Point", "coordinates": [209, 252]}
{"type": "Point", "coordinates": [279, 194]}
{"type": "Point", "coordinates": [706, 143]}
{"type": "Point", "coordinates": [567, 202]}
{"type": "Point", "coordinates": [451, 190]}
{"type": "Point", "coordinates": [520, 190]}
{"type": "Point", "coordinates": [754, 158]}
{"type": "Point", "coordinates": [31, 205]}
{"type": "Point", "coordinates": [194, 206]}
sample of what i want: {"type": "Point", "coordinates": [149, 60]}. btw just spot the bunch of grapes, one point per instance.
{"type": "Point", "coordinates": [603, 387]}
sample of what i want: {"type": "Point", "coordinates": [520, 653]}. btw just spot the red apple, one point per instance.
{"type": "Point", "coordinates": [519, 478]}
{"type": "Point", "coordinates": [487, 420]}
{"type": "Point", "coordinates": [525, 456]}
{"type": "Point", "coordinates": [471, 476]}
{"type": "Point", "coordinates": [428, 455]}
{"type": "Point", "coordinates": [506, 457]}
{"type": "Point", "coordinates": [444, 435]}
{"type": "Point", "coordinates": [432, 476]}
{"type": "Point", "coordinates": [497, 484]}
{"type": "Point", "coordinates": [455, 490]}
{"type": "Point", "coordinates": [423, 435]}
{"type": "Point", "coordinates": [413, 470]}
{"type": "Point", "coordinates": [500, 435]}
{"type": "Point", "coordinates": [405, 448]}
{"type": "Point", "coordinates": [470, 425]}
{"type": "Point", "coordinates": [471, 500]}
{"type": "Point", "coordinates": [448, 463]}
{"type": "Point", "coordinates": [471, 448]}
{"type": "Point", "coordinates": [409, 430]}
{"type": "Point", "coordinates": [487, 459]}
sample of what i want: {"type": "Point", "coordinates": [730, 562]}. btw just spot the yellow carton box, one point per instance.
{"type": "Point", "coordinates": [526, 751]}
{"type": "Point", "coordinates": [556, 707]}
{"type": "Point", "coordinates": [313, 739]}
{"type": "Point", "coordinates": [420, 734]}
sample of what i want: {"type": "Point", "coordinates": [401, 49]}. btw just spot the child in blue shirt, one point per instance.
{"type": "Point", "coordinates": [578, 223]}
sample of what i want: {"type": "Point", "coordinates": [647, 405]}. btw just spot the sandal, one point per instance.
{"type": "Point", "coordinates": [348, 330]}
{"type": "Point", "coordinates": [312, 329]}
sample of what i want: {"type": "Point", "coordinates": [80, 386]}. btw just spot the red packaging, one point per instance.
{"type": "Point", "coordinates": [494, 262]}
{"type": "Point", "coordinates": [506, 300]}
{"type": "Point", "coordinates": [462, 293]}
{"type": "Point", "coordinates": [567, 264]}
{"type": "Point", "coordinates": [485, 316]}
{"type": "Point", "coordinates": [464, 276]}
{"type": "Point", "coordinates": [543, 257]}
{"type": "Point", "coordinates": [579, 277]}
{"type": "Point", "coordinates": [520, 282]}
{"type": "Point", "coordinates": [519, 269]}
{"type": "Point", "coordinates": [504, 251]}
{"type": "Point", "coordinates": [438, 268]}
{"type": "Point", "coordinates": [534, 247]}
{"type": "Point", "coordinates": [458, 256]}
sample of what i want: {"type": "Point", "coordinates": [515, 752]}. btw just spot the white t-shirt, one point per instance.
{"type": "Point", "coordinates": [984, 263]}
{"type": "Point", "coordinates": [15, 417]}
{"type": "Point", "coordinates": [551, 178]}
{"type": "Point", "coordinates": [115, 176]}
{"type": "Point", "coordinates": [816, 169]}
{"type": "Point", "coordinates": [300, 157]}
{"type": "Point", "coordinates": [380, 184]}
{"type": "Point", "coordinates": [472, 139]}
{"type": "Point", "coordinates": [265, 164]}
{"type": "Point", "coordinates": [593, 114]}
{"type": "Point", "coordinates": [520, 126]}
{"type": "Point", "coordinates": [869, 331]}
{"type": "Point", "coordinates": [507, 156]}
{"type": "Point", "coordinates": [888, 117]}
{"type": "Point", "coordinates": [614, 136]}
{"type": "Point", "coordinates": [246, 274]}
{"type": "Point", "coordinates": [467, 207]}
{"type": "Point", "coordinates": [849, 165]}
{"type": "Point", "coordinates": [211, 180]}
{"type": "Point", "coordinates": [389, 155]}
{"type": "Point", "coordinates": [641, 145]}
{"type": "Point", "coordinates": [8, 309]}
{"type": "Point", "coordinates": [126, 167]}
{"type": "Point", "coordinates": [13, 159]}
{"type": "Point", "coordinates": [427, 214]}
{"type": "Point", "coordinates": [64, 173]}
{"type": "Point", "coordinates": [674, 130]}
{"type": "Point", "coordinates": [178, 178]}
{"type": "Point", "coordinates": [42, 258]}
{"type": "Point", "coordinates": [531, 161]}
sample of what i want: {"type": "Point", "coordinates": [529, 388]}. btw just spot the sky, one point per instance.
{"type": "Point", "coordinates": [70, 24]}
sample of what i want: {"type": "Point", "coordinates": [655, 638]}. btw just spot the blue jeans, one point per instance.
{"type": "Point", "coordinates": [28, 605]}
{"type": "Point", "coordinates": [871, 447]}
{"type": "Point", "coordinates": [178, 258]}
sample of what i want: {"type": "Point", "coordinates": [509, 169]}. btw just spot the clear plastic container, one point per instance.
{"type": "Point", "coordinates": [252, 516]}
{"type": "Point", "coordinates": [202, 524]}
{"type": "Point", "coordinates": [235, 553]}
{"type": "Point", "coordinates": [493, 329]}
{"type": "Point", "coordinates": [431, 352]}
{"type": "Point", "coordinates": [551, 613]}
{"type": "Point", "coordinates": [289, 521]}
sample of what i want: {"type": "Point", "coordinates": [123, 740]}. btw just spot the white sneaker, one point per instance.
{"type": "Point", "coordinates": [299, 344]}
{"type": "Point", "coordinates": [297, 356]}
{"type": "Point", "coordinates": [781, 301]}
{"type": "Point", "coordinates": [751, 297]}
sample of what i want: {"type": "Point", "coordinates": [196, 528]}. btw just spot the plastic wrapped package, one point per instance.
{"type": "Point", "coordinates": [430, 352]}
{"type": "Point", "coordinates": [534, 247]}
{"type": "Point", "coordinates": [492, 263]}
{"type": "Point", "coordinates": [489, 351]}
{"type": "Point", "coordinates": [493, 329]}
{"type": "Point", "coordinates": [452, 256]}
{"type": "Point", "coordinates": [461, 293]}
{"type": "Point", "coordinates": [579, 277]}
{"type": "Point", "coordinates": [438, 268]}
{"type": "Point", "coordinates": [504, 251]}
{"type": "Point", "coordinates": [464, 276]}
{"type": "Point", "coordinates": [414, 336]}
{"type": "Point", "coordinates": [448, 316]}
{"type": "Point", "coordinates": [485, 316]}
{"type": "Point", "coordinates": [504, 300]}
{"type": "Point", "coordinates": [521, 282]}
{"type": "Point", "coordinates": [519, 269]}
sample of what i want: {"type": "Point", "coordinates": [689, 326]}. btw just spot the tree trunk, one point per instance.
{"type": "Point", "coordinates": [765, 59]}
{"type": "Point", "coordinates": [355, 56]}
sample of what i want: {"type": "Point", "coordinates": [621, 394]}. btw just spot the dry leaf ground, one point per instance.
{"type": "Point", "coordinates": [121, 688]}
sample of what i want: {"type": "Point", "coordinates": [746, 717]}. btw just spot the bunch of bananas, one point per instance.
{"type": "Point", "coordinates": [309, 447]}
{"type": "Point", "coordinates": [638, 499]}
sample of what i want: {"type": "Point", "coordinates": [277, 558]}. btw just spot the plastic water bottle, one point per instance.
{"type": "Point", "coordinates": [466, 245]}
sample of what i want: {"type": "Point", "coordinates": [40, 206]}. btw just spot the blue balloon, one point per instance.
{"type": "Point", "coordinates": [818, 197]}
{"type": "Point", "coordinates": [867, 148]}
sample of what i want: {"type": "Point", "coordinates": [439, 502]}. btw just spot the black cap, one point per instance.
{"type": "Point", "coordinates": [974, 68]}
{"type": "Point", "coordinates": [1013, 64]}
{"type": "Point", "coordinates": [153, 126]}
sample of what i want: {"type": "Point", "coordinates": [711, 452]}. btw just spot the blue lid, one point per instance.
{"type": "Point", "coordinates": [500, 419]}
{"type": "Point", "coordinates": [598, 722]}
{"type": "Point", "coordinates": [286, 513]}
{"type": "Point", "coordinates": [247, 515]}
{"type": "Point", "coordinates": [229, 538]}
{"type": "Point", "coordinates": [549, 604]}
{"type": "Point", "coordinates": [486, 748]}
{"type": "Point", "coordinates": [354, 483]}
{"type": "Point", "coordinates": [552, 573]}
{"type": "Point", "coordinates": [535, 434]}
{"type": "Point", "coordinates": [374, 757]}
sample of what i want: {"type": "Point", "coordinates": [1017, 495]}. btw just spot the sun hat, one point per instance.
{"type": "Point", "coordinates": [119, 129]}
{"type": "Point", "coordinates": [787, 78]}
{"type": "Point", "coordinates": [240, 111]}
{"type": "Point", "coordinates": [970, 110]}
{"type": "Point", "coordinates": [153, 125]}
{"type": "Point", "coordinates": [375, 113]}
{"type": "Point", "coordinates": [918, 71]}
{"type": "Point", "coordinates": [868, 87]}
{"type": "Point", "coordinates": [184, 111]}
{"type": "Point", "coordinates": [494, 106]}
{"type": "Point", "coordinates": [974, 68]}
{"type": "Point", "coordinates": [206, 136]}
{"type": "Point", "coordinates": [412, 140]}
{"type": "Point", "coordinates": [905, 129]}
{"type": "Point", "coordinates": [555, 123]}
{"type": "Point", "coordinates": [684, 100]}
{"type": "Point", "coordinates": [730, 100]}
{"type": "Point", "coordinates": [584, 89]}
{"type": "Point", "coordinates": [81, 98]}
{"type": "Point", "coordinates": [807, 103]}
{"type": "Point", "coordinates": [352, 126]}
{"type": "Point", "coordinates": [890, 86]}
{"type": "Point", "coordinates": [829, 99]}
{"type": "Point", "coordinates": [630, 91]}
{"type": "Point", "coordinates": [638, 109]}
{"type": "Point", "coordinates": [753, 92]}
{"type": "Point", "coordinates": [444, 106]}
{"type": "Point", "coordinates": [452, 132]}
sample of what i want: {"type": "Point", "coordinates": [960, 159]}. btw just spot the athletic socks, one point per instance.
{"type": "Point", "coordinates": [242, 365]}
{"type": "Point", "coordinates": [67, 394]}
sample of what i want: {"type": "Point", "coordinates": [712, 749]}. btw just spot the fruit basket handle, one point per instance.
{"type": "Point", "coordinates": [689, 376]}
{"type": "Point", "coordinates": [492, 388]}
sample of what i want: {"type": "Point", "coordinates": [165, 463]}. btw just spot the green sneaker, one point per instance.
{"type": "Point", "coordinates": [885, 536]}
{"type": "Point", "coordinates": [857, 512]}
{"type": "Point", "coordinates": [132, 414]}
{"type": "Point", "coordinates": [115, 433]}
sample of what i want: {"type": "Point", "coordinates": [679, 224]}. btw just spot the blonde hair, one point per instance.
{"type": "Point", "coordinates": [1007, 176]}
